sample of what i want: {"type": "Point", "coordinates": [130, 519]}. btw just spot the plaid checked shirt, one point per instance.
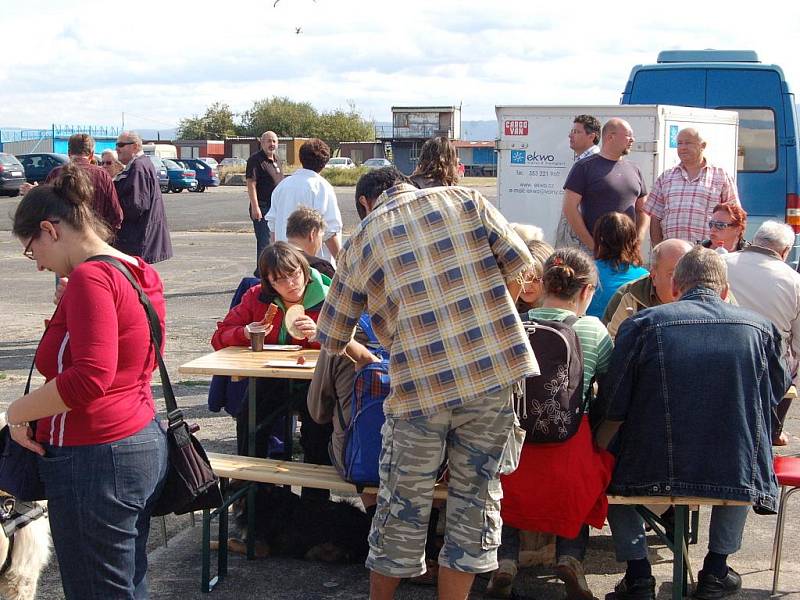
{"type": "Point", "coordinates": [684, 205]}
{"type": "Point", "coordinates": [430, 267]}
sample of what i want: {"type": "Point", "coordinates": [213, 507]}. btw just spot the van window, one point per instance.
{"type": "Point", "coordinates": [757, 142]}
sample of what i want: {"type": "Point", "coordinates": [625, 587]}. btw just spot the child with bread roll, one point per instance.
{"type": "Point", "coordinates": [287, 303]}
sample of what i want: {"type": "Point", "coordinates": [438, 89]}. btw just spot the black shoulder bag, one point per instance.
{"type": "Point", "coordinates": [191, 483]}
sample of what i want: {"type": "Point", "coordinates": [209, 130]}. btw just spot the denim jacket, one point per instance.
{"type": "Point", "coordinates": [694, 383]}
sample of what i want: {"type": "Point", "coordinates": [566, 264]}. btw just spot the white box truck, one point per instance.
{"type": "Point", "coordinates": [534, 156]}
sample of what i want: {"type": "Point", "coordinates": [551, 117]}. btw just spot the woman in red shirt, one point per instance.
{"type": "Point", "coordinates": [103, 455]}
{"type": "Point", "coordinates": [286, 280]}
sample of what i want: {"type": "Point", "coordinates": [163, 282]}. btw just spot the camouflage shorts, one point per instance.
{"type": "Point", "coordinates": [474, 436]}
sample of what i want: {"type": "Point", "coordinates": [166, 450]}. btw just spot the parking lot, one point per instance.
{"type": "Point", "coordinates": [214, 249]}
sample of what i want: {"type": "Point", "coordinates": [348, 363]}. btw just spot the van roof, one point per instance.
{"type": "Point", "coordinates": [684, 56]}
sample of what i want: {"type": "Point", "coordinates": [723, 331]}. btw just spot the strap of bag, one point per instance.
{"type": "Point", "coordinates": [174, 414]}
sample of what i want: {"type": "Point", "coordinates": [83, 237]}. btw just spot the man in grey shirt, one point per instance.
{"type": "Point", "coordinates": [605, 182]}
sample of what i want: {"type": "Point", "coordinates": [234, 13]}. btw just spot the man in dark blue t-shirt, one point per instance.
{"type": "Point", "coordinates": [605, 182]}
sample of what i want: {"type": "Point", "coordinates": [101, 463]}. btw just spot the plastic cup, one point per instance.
{"type": "Point", "coordinates": [257, 335]}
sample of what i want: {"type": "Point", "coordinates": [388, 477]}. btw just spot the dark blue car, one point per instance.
{"type": "Point", "coordinates": [180, 177]}
{"type": "Point", "coordinates": [39, 164]}
{"type": "Point", "coordinates": [205, 174]}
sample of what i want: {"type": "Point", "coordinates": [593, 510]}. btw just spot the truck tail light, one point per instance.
{"type": "Point", "coordinates": [793, 211]}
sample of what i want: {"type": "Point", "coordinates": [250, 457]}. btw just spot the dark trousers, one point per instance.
{"type": "Point", "coordinates": [277, 399]}
{"type": "Point", "coordinates": [261, 229]}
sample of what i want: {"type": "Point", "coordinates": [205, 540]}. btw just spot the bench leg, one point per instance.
{"type": "Point", "coordinates": [206, 584]}
{"type": "Point", "coordinates": [222, 552]}
{"type": "Point", "coordinates": [251, 521]}
{"type": "Point", "coordinates": [679, 585]}
{"type": "Point", "coordinates": [694, 526]}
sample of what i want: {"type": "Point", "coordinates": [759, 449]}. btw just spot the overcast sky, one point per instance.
{"type": "Point", "coordinates": [70, 62]}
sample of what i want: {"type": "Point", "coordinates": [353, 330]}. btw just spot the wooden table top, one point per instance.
{"type": "Point", "coordinates": [240, 361]}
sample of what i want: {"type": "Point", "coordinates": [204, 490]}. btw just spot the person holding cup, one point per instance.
{"type": "Point", "coordinates": [287, 281]}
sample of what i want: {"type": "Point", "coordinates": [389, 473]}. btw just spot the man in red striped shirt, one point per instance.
{"type": "Point", "coordinates": [682, 198]}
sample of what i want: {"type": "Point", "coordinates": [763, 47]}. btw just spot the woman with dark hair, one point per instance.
{"type": "Point", "coordinates": [619, 260]}
{"type": "Point", "coordinates": [103, 454]}
{"type": "Point", "coordinates": [286, 281]}
{"type": "Point", "coordinates": [542, 495]}
{"type": "Point", "coordinates": [438, 164]}
{"type": "Point", "coordinates": [727, 224]}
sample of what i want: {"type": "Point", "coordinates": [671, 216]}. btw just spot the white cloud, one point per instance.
{"type": "Point", "coordinates": [161, 61]}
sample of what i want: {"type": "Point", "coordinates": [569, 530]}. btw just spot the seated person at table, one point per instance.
{"type": "Point", "coordinates": [691, 387]}
{"type": "Point", "coordinates": [286, 280]}
{"type": "Point", "coordinates": [305, 230]}
{"type": "Point", "coordinates": [619, 260]}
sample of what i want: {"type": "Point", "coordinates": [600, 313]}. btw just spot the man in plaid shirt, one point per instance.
{"type": "Point", "coordinates": [683, 197]}
{"type": "Point", "coordinates": [438, 270]}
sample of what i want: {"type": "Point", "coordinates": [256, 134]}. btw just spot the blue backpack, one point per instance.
{"type": "Point", "coordinates": [362, 446]}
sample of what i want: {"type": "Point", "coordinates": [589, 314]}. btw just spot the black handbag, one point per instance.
{"type": "Point", "coordinates": [19, 467]}
{"type": "Point", "coordinates": [191, 483]}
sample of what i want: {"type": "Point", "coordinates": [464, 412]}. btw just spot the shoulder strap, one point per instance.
{"type": "Point", "coordinates": [571, 320]}
{"type": "Point", "coordinates": [173, 413]}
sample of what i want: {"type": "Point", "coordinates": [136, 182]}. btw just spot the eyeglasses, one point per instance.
{"type": "Point", "coordinates": [298, 274]}
{"type": "Point", "coordinates": [720, 225]}
{"type": "Point", "coordinates": [123, 144]}
{"type": "Point", "coordinates": [28, 251]}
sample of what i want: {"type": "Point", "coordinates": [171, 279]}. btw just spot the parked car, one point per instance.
{"type": "Point", "coordinates": [211, 162]}
{"type": "Point", "coordinates": [340, 162]}
{"type": "Point", "coordinates": [12, 174]}
{"type": "Point", "coordinates": [205, 174]}
{"type": "Point", "coordinates": [233, 162]}
{"type": "Point", "coordinates": [377, 163]}
{"type": "Point", "coordinates": [39, 164]}
{"type": "Point", "coordinates": [180, 178]}
{"type": "Point", "coordinates": [163, 176]}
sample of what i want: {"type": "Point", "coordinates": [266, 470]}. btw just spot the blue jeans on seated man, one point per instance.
{"type": "Point", "coordinates": [99, 499]}
{"type": "Point", "coordinates": [261, 229]}
{"type": "Point", "coordinates": [627, 530]}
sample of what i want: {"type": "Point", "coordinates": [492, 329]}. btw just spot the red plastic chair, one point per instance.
{"type": "Point", "coordinates": [787, 470]}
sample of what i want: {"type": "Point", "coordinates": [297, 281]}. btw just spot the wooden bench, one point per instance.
{"type": "Point", "coordinates": [279, 472]}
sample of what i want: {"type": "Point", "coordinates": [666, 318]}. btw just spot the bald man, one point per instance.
{"type": "Point", "coordinates": [604, 183]}
{"type": "Point", "coordinates": [684, 196]}
{"type": "Point", "coordinates": [651, 290]}
{"type": "Point", "coordinates": [262, 174]}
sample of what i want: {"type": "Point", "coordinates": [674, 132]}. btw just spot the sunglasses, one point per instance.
{"type": "Point", "coordinates": [123, 144]}
{"type": "Point", "coordinates": [720, 225]}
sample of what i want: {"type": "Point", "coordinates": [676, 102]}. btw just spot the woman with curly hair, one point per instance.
{"type": "Point", "coordinates": [438, 164]}
{"type": "Point", "coordinates": [618, 257]}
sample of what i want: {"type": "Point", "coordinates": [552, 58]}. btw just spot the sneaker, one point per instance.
{"type": "Point", "coordinates": [710, 587]}
{"type": "Point", "coordinates": [570, 570]}
{"type": "Point", "coordinates": [642, 588]}
{"type": "Point", "coordinates": [502, 581]}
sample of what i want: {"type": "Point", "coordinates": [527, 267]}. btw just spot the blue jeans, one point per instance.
{"type": "Point", "coordinates": [575, 547]}
{"type": "Point", "coordinates": [99, 499]}
{"type": "Point", "coordinates": [627, 530]}
{"type": "Point", "coordinates": [261, 229]}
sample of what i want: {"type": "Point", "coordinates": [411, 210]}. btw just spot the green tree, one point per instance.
{"type": "Point", "coordinates": [216, 124]}
{"type": "Point", "coordinates": [337, 126]}
{"type": "Point", "coordinates": [281, 115]}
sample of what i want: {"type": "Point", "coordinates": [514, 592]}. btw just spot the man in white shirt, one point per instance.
{"type": "Point", "coordinates": [762, 281]}
{"type": "Point", "coordinates": [306, 187]}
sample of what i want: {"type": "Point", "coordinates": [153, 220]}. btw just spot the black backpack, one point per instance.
{"type": "Point", "coordinates": [552, 402]}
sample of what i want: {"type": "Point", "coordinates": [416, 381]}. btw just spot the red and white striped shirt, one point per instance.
{"type": "Point", "coordinates": [684, 205]}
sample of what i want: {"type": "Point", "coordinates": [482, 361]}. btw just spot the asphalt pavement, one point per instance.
{"type": "Point", "coordinates": [214, 249]}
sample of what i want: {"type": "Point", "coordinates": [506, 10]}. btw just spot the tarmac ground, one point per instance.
{"type": "Point", "coordinates": [214, 248]}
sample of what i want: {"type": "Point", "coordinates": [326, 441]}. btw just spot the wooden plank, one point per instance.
{"type": "Point", "coordinates": [675, 500]}
{"type": "Point", "coordinates": [238, 361]}
{"type": "Point", "coordinates": [280, 472]}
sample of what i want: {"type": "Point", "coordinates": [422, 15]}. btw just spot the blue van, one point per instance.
{"type": "Point", "coordinates": [769, 158]}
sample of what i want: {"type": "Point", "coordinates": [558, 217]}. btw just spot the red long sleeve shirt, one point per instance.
{"type": "Point", "coordinates": [97, 347]}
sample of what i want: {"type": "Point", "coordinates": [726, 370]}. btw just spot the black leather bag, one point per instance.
{"type": "Point", "coordinates": [191, 483]}
{"type": "Point", "coordinates": [19, 467]}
